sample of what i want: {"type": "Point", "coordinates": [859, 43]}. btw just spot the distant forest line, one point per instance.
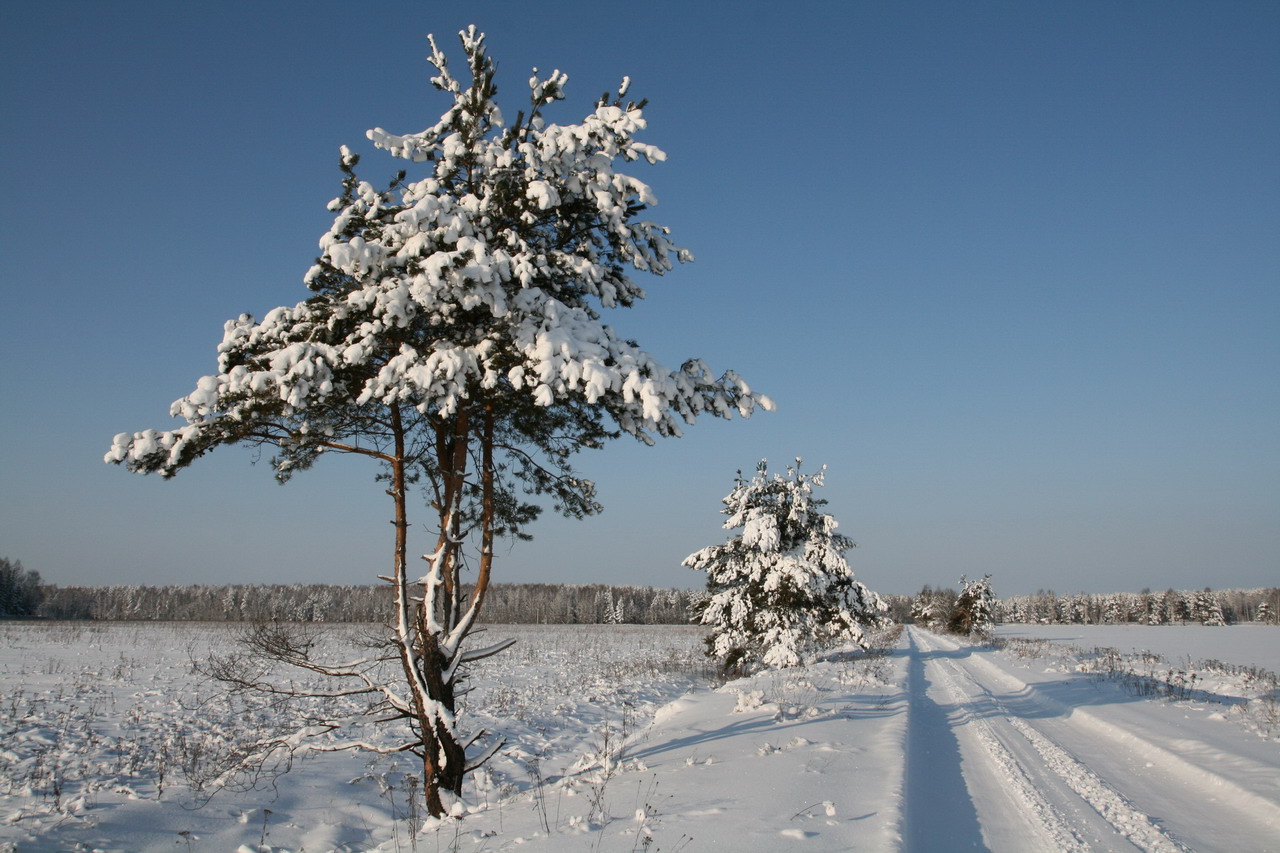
{"type": "Point", "coordinates": [504, 603]}
{"type": "Point", "coordinates": [1171, 607]}
{"type": "Point", "coordinates": [543, 603]}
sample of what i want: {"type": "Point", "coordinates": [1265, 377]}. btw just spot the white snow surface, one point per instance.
{"type": "Point", "coordinates": [617, 741]}
{"type": "Point", "coordinates": [1245, 644]}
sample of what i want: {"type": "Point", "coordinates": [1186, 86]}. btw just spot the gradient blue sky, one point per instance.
{"type": "Point", "coordinates": [1011, 270]}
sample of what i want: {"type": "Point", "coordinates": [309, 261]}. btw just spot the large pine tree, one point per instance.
{"type": "Point", "coordinates": [781, 589]}
{"type": "Point", "coordinates": [453, 336]}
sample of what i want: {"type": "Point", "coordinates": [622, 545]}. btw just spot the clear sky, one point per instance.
{"type": "Point", "coordinates": [1010, 269]}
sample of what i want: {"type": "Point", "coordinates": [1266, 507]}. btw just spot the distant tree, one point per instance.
{"type": "Point", "coordinates": [1078, 609]}
{"type": "Point", "coordinates": [974, 610]}
{"type": "Point", "coordinates": [781, 589]}
{"type": "Point", "coordinates": [898, 608]}
{"type": "Point", "coordinates": [20, 589]}
{"type": "Point", "coordinates": [1206, 608]}
{"type": "Point", "coordinates": [1159, 612]}
{"type": "Point", "coordinates": [453, 337]}
{"type": "Point", "coordinates": [1047, 607]}
{"type": "Point", "coordinates": [1271, 598]}
{"type": "Point", "coordinates": [932, 608]}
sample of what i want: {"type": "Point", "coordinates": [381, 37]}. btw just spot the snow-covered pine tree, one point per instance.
{"type": "Point", "coordinates": [780, 590]}
{"type": "Point", "coordinates": [453, 335]}
{"type": "Point", "coordinates": [931, 609]}
{"type": "Point", "coordinates": [1207, 608]}
{"type": "Point", "coordinates": [975, 608]}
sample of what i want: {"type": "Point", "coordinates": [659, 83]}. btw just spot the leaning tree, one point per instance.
{"type": "Point", "coordinates": [780, 589]}
{"type": "Point", "coordinates": [453, 336]}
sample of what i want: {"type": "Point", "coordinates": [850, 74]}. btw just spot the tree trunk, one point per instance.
{"type": "Point", "coordinates": [419, 656]}
{"type": "Point", "coordinates": [443, 757]}
{"type": "Point", "coordinates": [440, 611]}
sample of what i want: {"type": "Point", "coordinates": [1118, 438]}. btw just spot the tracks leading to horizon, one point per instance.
{"type": "Point", "coordinates": [1039, 773]}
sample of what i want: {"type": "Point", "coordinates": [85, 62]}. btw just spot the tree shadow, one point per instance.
{"type": "Point", "coordinates": [772, 725]}
{"type": "Point", "coordinates": [937, 812]}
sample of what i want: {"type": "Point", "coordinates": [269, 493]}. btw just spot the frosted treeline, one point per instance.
{"type": "Point", "coordinates": [560, 604]}
{"type": "Point", "coordinates": [506, 603]}
{"type": "Point", "coordinates": [1171, 607]}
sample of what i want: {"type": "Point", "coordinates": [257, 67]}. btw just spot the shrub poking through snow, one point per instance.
{"type": "Point", "coordinates": [781, 589]}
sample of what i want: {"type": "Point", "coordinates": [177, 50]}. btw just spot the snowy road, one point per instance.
{"type": "Point", "coordinates": [1020, 762]}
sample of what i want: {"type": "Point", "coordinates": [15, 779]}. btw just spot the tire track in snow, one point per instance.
{"type": "Point", "coordinates": [1128, 821]}
{"type": "Point", "coordinates": [934, 783]}
{"type": "Point", "coordinates": [1169, 763]}
{"type": "Point", "coordinates": [1106, 801]}
{"type": "Point", "coordinates": [1056, 834]}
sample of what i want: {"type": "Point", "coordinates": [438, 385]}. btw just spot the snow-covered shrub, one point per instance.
{"type": "Point", "coordinates": [781, 589]}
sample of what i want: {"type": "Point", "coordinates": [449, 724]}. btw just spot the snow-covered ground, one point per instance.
{"type": "Point", "coordinates": [1244, 644]}
{"type": "Point", "coordinates": [619, 742]}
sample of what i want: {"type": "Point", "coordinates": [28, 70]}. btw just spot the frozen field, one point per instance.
{"type": "Point", "coordinates": [1247, 644]}
{"type": "Point", "coordinates": [619, 742]}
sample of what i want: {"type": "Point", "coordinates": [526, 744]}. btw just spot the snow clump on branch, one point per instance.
{"type": "Point", "coordinates": [481, 275]}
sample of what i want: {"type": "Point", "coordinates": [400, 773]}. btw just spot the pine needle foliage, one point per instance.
{"type": "Point", "coordinates": [780, 590]}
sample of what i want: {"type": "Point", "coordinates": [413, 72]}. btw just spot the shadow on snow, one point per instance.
{"type": "Point", "coordinates": [937, 811]}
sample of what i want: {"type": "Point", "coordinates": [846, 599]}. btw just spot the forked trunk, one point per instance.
{"type": "Point", "coordinates": [443, 758]}
{"type": "Point", "coordinates": [442, 610]}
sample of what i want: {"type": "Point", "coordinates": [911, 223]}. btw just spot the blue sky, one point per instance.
{"type": "Point", "coordinates": [1011, 270]}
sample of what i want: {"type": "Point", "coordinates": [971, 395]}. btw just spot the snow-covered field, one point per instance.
{"type": "Point", "coordinates": [1245, 644]}
{"type": "Point", "coordinates": [618, 741]}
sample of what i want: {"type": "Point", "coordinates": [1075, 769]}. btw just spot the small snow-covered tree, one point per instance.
{"type": "Point", "coordinates": [781, 589]}
{"type": "Point", "coordinates": [975, 608]}
{"type": "Point", "coordinates": [1264, 614]}
{"type": "Point", "coordinates": [1206, 608]}
{"type": "Point", "coordinates": [453, 337]}
{"type": "Point", "coordinates": [932, 608]}
{"type": "Point", "coordinates": [1183, 605]}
